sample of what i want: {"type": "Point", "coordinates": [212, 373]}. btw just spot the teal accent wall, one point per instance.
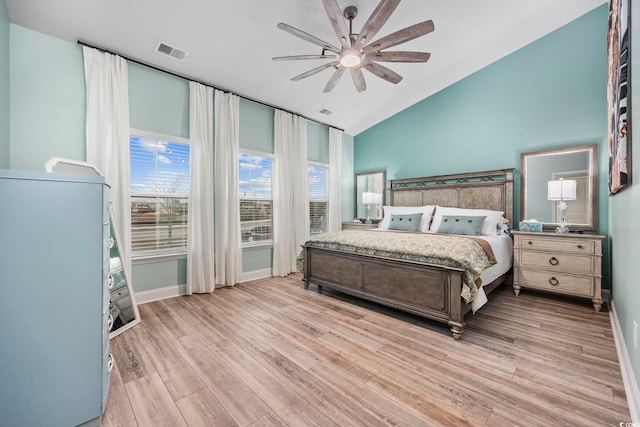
{"type": "Point", "coordinates": [158, 102]}
{"type": "Point", "coordinates": [4, 87]}
{"type": "Point", "coordinates": [47, 99]}
{"type": "Point", "coordinates": [624, 228]}
{"type": "Point", "coordinates": [549, 94]}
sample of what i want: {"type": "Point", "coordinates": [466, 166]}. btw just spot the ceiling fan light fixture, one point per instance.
{"type": "Point", "coordinates": [350, 58]}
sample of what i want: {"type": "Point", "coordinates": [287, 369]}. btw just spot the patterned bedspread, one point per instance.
{"type": "Point", "coordinates": [471, 254]}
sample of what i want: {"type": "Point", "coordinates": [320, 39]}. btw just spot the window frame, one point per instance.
{"type": "Point", "coordinates": [257, 243]}
{"type": "Point", "coordinates": [326, 189]}
{"type": "Point", "coordinates": [150, 257]}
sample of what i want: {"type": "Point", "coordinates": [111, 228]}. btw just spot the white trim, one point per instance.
{"type": "Point", "coordinates": [258, 244]}
{"type": "Point", "coordinates": [256, 153]}
{"type": "Point", "coordinates": [155, 135]}
{"type": "Point", "coordinates": [144, 297]}
{"type": "Point", "coordinates": [628, 377]}
{"type": "Point", "coordinates": [314, 163]}
{"type": "Point", "coordinates": [146, 259]}
{"type": "Point", "coordinates": [255, 275]}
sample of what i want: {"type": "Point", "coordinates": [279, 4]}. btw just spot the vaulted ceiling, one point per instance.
{"type": "Point", "coordinates": [230, 44]}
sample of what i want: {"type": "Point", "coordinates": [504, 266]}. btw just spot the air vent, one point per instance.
{"type": "Point", "coordinates": [174, 52]}
{"type": "Point", "coordinates": [325, 112]}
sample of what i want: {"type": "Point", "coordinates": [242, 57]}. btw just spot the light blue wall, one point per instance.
{"type": "Point", "coordinates": [4, 87]}
{"type": "Point", "coordinates": [624, 227]}
{"type": "Point", "coordinates": [158, 102]}
{"type": "Point", "coordinates": [46, 93]}
{"type": "Point", "coordinates": [348, 184]}
{"type": "Point", "coordinates": [47, 99]}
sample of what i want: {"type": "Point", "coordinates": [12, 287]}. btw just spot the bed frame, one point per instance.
{"type": "Point", "coordinates": [429, 290]}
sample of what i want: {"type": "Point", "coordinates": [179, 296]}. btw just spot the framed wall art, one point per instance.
{"type": "Point", "coordinates": [619, 95]}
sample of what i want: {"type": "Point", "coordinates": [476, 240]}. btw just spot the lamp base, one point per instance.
{"type": "Point", "coordinates": [562, 229]}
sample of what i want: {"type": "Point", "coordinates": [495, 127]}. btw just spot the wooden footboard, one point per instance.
{"type": "Point", "coordinates": [427, 290]}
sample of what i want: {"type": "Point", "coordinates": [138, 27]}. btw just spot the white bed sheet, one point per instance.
{"type": "Point", "coordinates": [502, 247]}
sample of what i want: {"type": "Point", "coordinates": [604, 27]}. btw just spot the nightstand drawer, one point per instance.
{"type": "Point", "coordinates": [556, 245]}
{"type": "Point", "coordinates": [559, 262]}
{"type": "Point", "coordinates": [564, 283]}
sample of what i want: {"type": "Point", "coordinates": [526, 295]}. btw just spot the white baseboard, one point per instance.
{"type": "Point", "coordinates": [255, 275]}
{"type": "Point", "coordinates": [144, 297]}
{"type": "Point", "coordinates": [628, 377]}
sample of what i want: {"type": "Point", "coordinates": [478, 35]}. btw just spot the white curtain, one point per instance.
{"type": "Point", "coordinates": [228, 255]}
{"type": "Point", "coordinates": [290, 199]}
{"type": "Point", "coordinates": [335, 181]}
{"type": "Point", "coordinates": [200, 226]}
{"type": "Point", "coordinates": [107, 137]}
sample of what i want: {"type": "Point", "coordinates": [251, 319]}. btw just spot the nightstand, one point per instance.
{"type": "Point", "coordinates": [568, 264]}
{"type": "Point", "coordinates": [358, 226]}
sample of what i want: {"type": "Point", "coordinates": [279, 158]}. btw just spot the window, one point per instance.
{"type": "Point", "coordinates": [256, 203]}
{"type": "Point", "coordinates": [318, 201]}
{"type": "Point", "coordinates": [159, 194]}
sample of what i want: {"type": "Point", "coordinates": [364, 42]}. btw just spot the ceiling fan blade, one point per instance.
{"type": "Point", "coordinates": [358, 79]}
{"type": "Point", "coordinates": [308, 37]}
{"type": "Point", "coordinates": [383, 72]}
{"type": "Point", "coordinates": [400, 36]}
{"type": "Point", "coordinates": [377, 19]}
{"type": "Point", "coordinates": [314, 71]}
{"type": "Point", "coordinates": [298, 57]}
{"type": "Point", "coordinates": [333, 80]}
{"type": "Point", "coordinates": [337, 22]}
{"type": "Point", "coordinates": [398, 56]}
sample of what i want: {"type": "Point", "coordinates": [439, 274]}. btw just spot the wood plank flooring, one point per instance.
{"type": "Point", "coordinates": [269, 353]}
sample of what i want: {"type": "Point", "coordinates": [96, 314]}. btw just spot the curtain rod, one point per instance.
{"type": "Point", "coordinates": [153, 67]}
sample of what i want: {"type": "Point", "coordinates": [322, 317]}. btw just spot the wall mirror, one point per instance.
{"type": "Point", "coordinates": [578, 163]}
{"type": "Point", "coordinates": [123, 311]}
{"type": "Point", "coordinates": [370, 196]}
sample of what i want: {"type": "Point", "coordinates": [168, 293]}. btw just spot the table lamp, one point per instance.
{"type": "Point", "coordinates": [562, 190]}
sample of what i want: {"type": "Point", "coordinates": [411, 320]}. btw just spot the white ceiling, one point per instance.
{"type": "Point", "coordinates": [231, 43]}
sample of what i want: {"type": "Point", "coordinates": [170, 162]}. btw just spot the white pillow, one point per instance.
{"type": "Point", "coordinates": [427, 212]}
{"type": "Point", "coordinates": [489, 226]}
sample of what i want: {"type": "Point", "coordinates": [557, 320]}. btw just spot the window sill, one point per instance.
{"type": "Point", "coordinates": [258, 245]}
{"type": "Point", "coordinates": [146, 259]}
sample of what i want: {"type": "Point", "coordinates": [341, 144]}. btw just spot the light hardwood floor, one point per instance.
{"type": "Point", "coordinates": [269, 353]}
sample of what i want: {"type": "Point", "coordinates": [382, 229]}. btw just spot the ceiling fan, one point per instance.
{"type": "Point", "coordinates": [357, 51]}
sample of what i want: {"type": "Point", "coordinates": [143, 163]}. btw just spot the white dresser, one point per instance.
{"type": "Point", "coordinates": [54, 299]}
{"type": "Point", "coordinates": [568, 264]}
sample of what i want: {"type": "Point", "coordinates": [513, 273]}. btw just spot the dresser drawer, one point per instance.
{"type": "Point", "coordinates": [564, 283]}
{"type": "Point", "coordinates": [556, 245]}
{"type": "Point", "coordinates": [560, 262]}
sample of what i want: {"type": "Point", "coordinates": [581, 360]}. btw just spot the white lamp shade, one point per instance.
{"type": "Point", "coordinates": [367, 197]}
{"type": "Point", "coordinates": [561, 189]}
{"type": "Point", "coordinates": [371, 198]}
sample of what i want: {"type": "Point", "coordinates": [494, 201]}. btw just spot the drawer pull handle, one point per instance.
{"type": "Point", "coordinates": [110, 322]}
{"type": "Point", "coordinates": [110, 363]}
{"type": "Point", "coordinates": [579, 246]}
{"type": "Point", "coordinates": [530, 242]}
{"type": "Point", "coordinates": [554, 261]}
{"type": "Point", "coordinates": [110, 242]}
{"type": "Point", "coordinates": [554, 282]}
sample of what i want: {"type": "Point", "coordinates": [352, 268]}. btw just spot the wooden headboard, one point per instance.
{"type": "Point", "coordinates": [477, 190]}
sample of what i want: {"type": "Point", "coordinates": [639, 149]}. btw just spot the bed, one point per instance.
{"type": "Point", "coordinates": [418, 284]}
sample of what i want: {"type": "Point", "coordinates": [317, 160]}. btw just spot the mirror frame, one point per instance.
{"type": "Point", "coordinates": [592, 149]}
{"type": "Point", "coordinates": [382, 173]}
